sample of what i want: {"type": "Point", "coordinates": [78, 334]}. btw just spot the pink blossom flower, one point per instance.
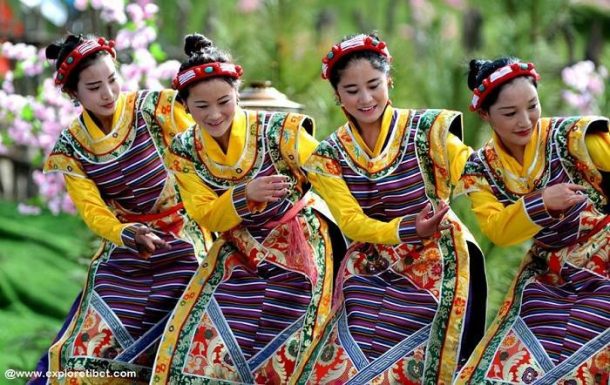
{"type": "Point", "coordinates": [24, 209]}
{"type": "Point", "coordinates": [577, 75]}
{"type": "Point", "coordinates": [596, 85]}
{"type": "Point", "coordinates": [248, 6]}
{"type": "Point", "coordinates": [167, 70]}
{"type": "Point", "coordinates": [67, 205]}
{"type": "Point", "coordinates": [150, 10]}
{"type": "Point", "coordinates": [123, 39]}
{"type": "Point", "coordinates": [135, 12]}
{"type": "Point", "coordinates": [7, 84]}
{"type": "Point", "coordinates": [81, 5]}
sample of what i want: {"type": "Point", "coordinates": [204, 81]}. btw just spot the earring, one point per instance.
{"type": "Point", "coordinates": [391, 83]}
{"type": "Point", "coordinates": [75, 102]}
{"type": "Point", "coordinates": [337, 100]}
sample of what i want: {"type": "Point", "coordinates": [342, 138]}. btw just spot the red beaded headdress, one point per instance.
{"type": "Point", "coordinates": [357, 43]}
{"type": "Point", "coordinates": [80, 52]}
{"type": "Point", "coordinates": [499, 77]}
{"type": "Point", "coordinates": [206, 71]}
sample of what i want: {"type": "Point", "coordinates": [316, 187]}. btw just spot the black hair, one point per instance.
{"type": "Point", "coordinates": [59, 51]}
{"type": "Point", "coordinates": [480, 69]}
{"type": "Point", "coordinates": [377, 60]}
{"type": "Point", "coordinates": [201, 50]}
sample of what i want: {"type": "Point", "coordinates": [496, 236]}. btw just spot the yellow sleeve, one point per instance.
{"type": "Point", "coordinates": [598, 145]}
{"type": "Point", "coordinates": [351, 219]}
{"type": "Point", "coordinates": [307, 144]}
{"type": "Point", "coordinates": [215, 213]}
{"type": "Point", "coordinates": [512, 224]}
{"type": "Point", "coordinates": [458, 154]}
{"type": "Point", "coordinates": [94, 211]}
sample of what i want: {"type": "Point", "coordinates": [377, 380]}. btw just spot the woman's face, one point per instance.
{"type": "Point", "coordinates": [363, 92]}
{"type": "Point", "coordinates": [515, 113]}
{"type": "Point", "coordinates": [99, 87]}
{"type": "Point", "coordinates": [212, 105]}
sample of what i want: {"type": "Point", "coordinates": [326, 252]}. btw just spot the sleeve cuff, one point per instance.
{"type": "Point", "coordinates": [240, 202]}
{"type": "Point", "coordinates": [536, 211]}
{"type": "Point", "coordinates": [407, 233]}
{"type": "Point", "coordinates": [128, 237]}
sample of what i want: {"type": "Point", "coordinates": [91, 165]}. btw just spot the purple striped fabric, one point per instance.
{"type": "Point", "coordinates": [395, 195]}
{"type": "Point", "coordinates": [564, 318]}
{"type": "Point", "coordinates": [383, 310]}
{"type": "Point", "coordinates": [254, 222]}
{"type": "Point", "coordinates": [141, 292]}
{"type": "Point", "coordinates": [259, 305]}
{"type": "Point", "coordinates": [136, 178]}
{"type": "Point", "coordinates": [556, 233]}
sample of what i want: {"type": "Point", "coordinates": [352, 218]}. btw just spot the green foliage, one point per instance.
{"type": "Point", "coordinates": [284, 41]}
{"type": "Point", "coordinates": [42, 268]}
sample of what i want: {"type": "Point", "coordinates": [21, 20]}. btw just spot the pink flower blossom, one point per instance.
{"type": "Point", "coordinates": [81, 5]}
{"type": "Point", "coordinates": [67, 205]}
{"type": "Point", "coordinates": [150, 10]}
{"type": "Point", "coordinates": [577, 76]}
{"type": "Point", "coordinates": [596, 85]}
{"type": "Point", "coordinates": [248, 6]}
{"type": "Point", "coordinates": [586, 84]}
{"type": "Point", "coordinates": [24, 209]}
{"type": "Point", "coordinates": [167, 70]}
{"type": "Point", "coordinates": [135, 12]}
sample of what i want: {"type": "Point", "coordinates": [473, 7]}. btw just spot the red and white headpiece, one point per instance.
{"type": "Point", "coordinates": [357, 43]}
{"type": "Point", "coordinates": [499, 77]}
{"type": "Point", "coordinates": [81, 51]}
{"type": "Point", "coordinates": [205, 71]}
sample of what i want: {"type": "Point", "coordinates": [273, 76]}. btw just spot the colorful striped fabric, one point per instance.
{"type": "Point", "coordinates": [554, 326]}
{"type": "Point", "coordinates": [259, 305]}
{"type": "Point", "coordinates": [250, 312]}
{"type": "Point", "coordinates": [127, 299]}
{"type": "Point", "coordinates": [403, 321]}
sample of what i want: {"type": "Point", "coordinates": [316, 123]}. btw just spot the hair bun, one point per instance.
{"type": "Point", "coordinates": [52, 51]}
{"type": "Point", "coordinates": [196, 43]}
{"type": "Point", "coordinates": [474, 69]}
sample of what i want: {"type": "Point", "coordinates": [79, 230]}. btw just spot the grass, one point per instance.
{"type": "Point", "coordinates": [43, 261]}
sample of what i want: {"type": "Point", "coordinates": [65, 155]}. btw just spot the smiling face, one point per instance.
{"type": "Point", "coordinates": [515, 114]}
{"type": "Point", "coordinates": [212, 105]}
{"type": "Point", "coordinates": [99, 87]}
{"type": "Point", "coordinates": [363, 92]}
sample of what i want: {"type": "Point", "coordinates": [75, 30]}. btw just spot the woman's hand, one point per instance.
{"type": "Point", "coordinates": [267, 188]}
{"type": "Point", "coordinates": [427, 223]}
{"type": "Point", "coordinates": [562, 196]}
{"type": "Point", "coordinates": [147, 242]}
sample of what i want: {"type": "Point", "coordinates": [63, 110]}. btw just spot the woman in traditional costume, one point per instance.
{"type": "Point", "coordinates": [410, 294]}
{"type": "Point", "coordinates": [541, 179]}
{"type": "Point", "coordinates": [253, 308]}
{"type": "Point", "coordinates": [112, 160]}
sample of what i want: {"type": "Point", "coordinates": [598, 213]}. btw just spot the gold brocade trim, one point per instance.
{"type": "Point", "coordinates": [498, 159]}
{"type": "Point", "coordinates": [387, 156]}
{"type": "Point", "coordinates": [120, 132]}
{"type": "Point", "coordinates": [438, 152]}
{"type": "Point", "coordinates": [65, 164]}
{"type": "Point", "coordinates": [577, 147]}
{"type": "Point", "coordinates": [249, 157]}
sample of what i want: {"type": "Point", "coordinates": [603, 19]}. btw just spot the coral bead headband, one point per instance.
{"type": "Point", "coordinates": [84, 49]}
{"type": "Point", "coordinates": [206, 71]}
{"type": "Point", "coordinates": [499, 77]}
{"type": "Point", "coordinates": [357, 43]}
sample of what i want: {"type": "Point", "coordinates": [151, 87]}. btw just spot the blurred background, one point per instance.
{"type": "Point", "coordinates": [45, 248]}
